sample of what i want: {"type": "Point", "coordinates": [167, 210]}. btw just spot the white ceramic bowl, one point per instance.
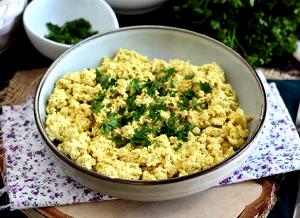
{"type": "Point", "coordinates": [163, 43]}
{"type": "Point", "coordinates": [39, 12]}
{"type": "Point", "coordinates": [135, 6]}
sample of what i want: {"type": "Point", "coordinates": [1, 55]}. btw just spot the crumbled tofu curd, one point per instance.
{"type": "Point", "coordinates": [137, 119]}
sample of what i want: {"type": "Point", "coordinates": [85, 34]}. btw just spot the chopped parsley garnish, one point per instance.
{"type": "Point", "coordinates": [112, 82]}
{"type": "Point", "coordinates": [131, 103]}
{"type": "Point", "coordinates": [135, 87]}
{"type": "Point", "coordinates": [139, 111]}
{"type": "Point", "coordinates": [154, 110]}
{"type": "Point", "coordinates": [182, 133]}
{"type": "Point", "coordinates": [134, 111]}
{"type": "Point", "coordinates": [121, 110]}
{"type": "Point", "coordinates": [101, 95]}
{"type": "Point", "coordinates": [110, 125]}
{"type": "Point", "coordinates": [196, 105]}
{"type": "Point", "coordinates": [169, 127]}
{"type": "Point", "coordinates": [189, 94]}
{"type": "Point", "coordinates": [173, 94]}
{"type": "Point", "coordinates": [173, 84]}
{"type": "Point", "coordinates": [162, 91]}
{"type": "Point", "coordinates": [151, 87]}
{"type": "Point", "coordinates": [174, 127]}
{"type": "Point", "coordinates": [104, 80]}
{"type": "Point", "coordinates": [230, 93]}
{"type": "Point", "coordinates": [140, 137]}
{"type": "Point", "coordinates": [205, 87]}
{"type": "Point", "coordinates": [170, 71]}
{"type": "Point", "coordinates": [185, 98]}
{"type": "Point", "coordinates": [125, 119]}
{"type": "Point", "coordinates": [177, 147]}
{"type": "Point", "coordinates": [97, 105]}
{"type": "Point", "coordinates": [70, 32]}
{"type": "Point", "coordinates": [189, 76]}
{"type": "Point", "coordinates": [120, 142]}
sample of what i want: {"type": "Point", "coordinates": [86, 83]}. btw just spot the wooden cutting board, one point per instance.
{"type": "Point", "coordinates": [246, 199]}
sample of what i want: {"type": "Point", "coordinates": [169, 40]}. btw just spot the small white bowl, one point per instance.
{"type": "Point", "coordinates": [40, 12]}
{"type": "Point", "coordinates": [135, 6]}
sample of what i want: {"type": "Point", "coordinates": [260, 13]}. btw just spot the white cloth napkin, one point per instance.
{"type": "Point", "coordinates": [34, 180]}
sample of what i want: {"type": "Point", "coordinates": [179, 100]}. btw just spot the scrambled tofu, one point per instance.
{"type": "Point", "coordinates": [137, 119]}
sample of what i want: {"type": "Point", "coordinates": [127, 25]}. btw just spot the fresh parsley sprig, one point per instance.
{"type": "Point", "coordinates": [104, 80]}
{"type": "Point", "coordinates": [261, 31]}
{"type": "Point", "coordinates": [140, 137]}
{"type": "Point", "coordinates": [97, 104]}
{"type": "Point", "coordinates": [110, 125]}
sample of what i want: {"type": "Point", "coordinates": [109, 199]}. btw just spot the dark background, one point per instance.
{"type": "Point", "coordinates": [22, 56]}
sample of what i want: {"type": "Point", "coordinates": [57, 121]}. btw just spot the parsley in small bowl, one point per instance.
{"type": "Point", "coordinates": [71, 32]}
{"type": "Point", "coordinates": [53, 26]}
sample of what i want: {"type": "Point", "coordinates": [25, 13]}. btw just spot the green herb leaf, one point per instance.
{"type": "Point", "coordinates": [169, 127]}
{"type": "Point", "coordinates": [135, 87]}
{"type": "Point", "coordinates": [154, 113]}
{"type": "Point", "coordinates": [182, 133]}
{"type": "Point", "coordinates": [190, 76]}
{"type": "Point", "coordinates": [205, 87]}
{"type": "Point", "coordinates": [170, 71]}
{"type": "Point", "coordinates": [97, 105]}
{"type": "Point", "coordinates": [121, 110]}
{"type": "Point", "coordinates": [162, 91]}
{"type": "Point", "coordinates": [174, 127]}
{"type": "Point", "coordinates": [109, 126]}
{"type": "Point", "coordinates": [125, 119]}
{"type": "Point", "coordinates": [189, 94]}
{"type": "Point", "coordinates": [151, 87]}
{"type": "Point", "coordinates": [230, 93]}
{"type": "Point", "coordinates": [112, 82]}
{"type": "Point", "coordinates": [70, 32]}
{"type": "Point", "coordinates": [185, 98]}
{"type": "Point", "coordinates": [139, 111]}
{"type": "Point", "coordinates": [196, 105]}
{"type": "Point", "coordinates": [173, 84]}
{"type": "Point", "coordinates": [102, 79]}
{"type": "Point", "coordinates": [131, 103]}
{"type": "Point", "coordinates": [120, 142]}
{"type": "Point", "coordinates": [177, 147]}
{"type": "Point", "coordinates": [140, 137]}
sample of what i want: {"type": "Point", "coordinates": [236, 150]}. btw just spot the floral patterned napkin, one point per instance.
{"type": "Point", "coordinates": [34, 180]}
{"type": "Point", "coordinates": [278, 150]}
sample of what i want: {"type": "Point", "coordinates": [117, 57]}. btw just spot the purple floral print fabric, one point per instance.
{"type": "Point", "coordinates": [34, 180]}
{"type": "Point", "coordinates": [278, 149]}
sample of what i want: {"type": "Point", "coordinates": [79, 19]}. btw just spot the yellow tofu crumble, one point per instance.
{"type": "Point", "coordinates": [140, 119]}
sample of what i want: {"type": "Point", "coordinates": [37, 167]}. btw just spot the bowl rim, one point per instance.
{"type": "Point", "coordinates": [29, 7]}
{"type": "Point", "coordinates": [72, 164]}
